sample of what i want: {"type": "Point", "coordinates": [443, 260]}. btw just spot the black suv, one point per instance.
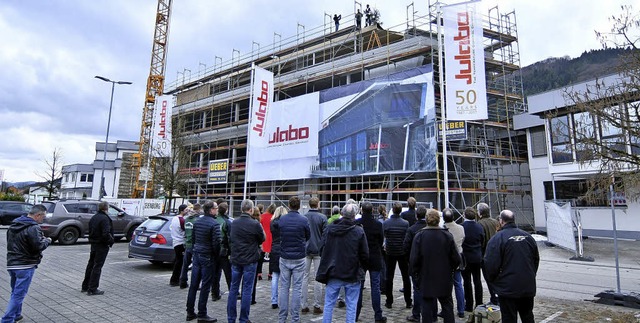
{"type": "Point", "coordinates": [11, 210]}
{"type": "Point", "coordinates": [68, 220]}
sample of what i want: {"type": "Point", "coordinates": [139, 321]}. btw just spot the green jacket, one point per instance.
{"type": "Point", "coordinates": [224, 231]}
{"type": "Point", "coordinates": [333, 218]}
{"type": "Point", "coordinates": [188, 230]}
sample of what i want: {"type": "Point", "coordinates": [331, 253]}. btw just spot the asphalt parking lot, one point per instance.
{"type": "Point", "coordinates": [137, 291]}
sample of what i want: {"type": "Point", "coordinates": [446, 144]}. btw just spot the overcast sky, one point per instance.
{"type": "Point", "coordinates": [51, 51]}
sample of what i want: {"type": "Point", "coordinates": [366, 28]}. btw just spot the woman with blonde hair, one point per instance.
{"type": "Point", "coordinates": [274, 256]}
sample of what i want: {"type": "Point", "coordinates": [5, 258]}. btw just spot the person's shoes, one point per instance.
{"type": "Point", "coordinates": [269, 277]}
{"type": "Point", "coordinates": [274, 306]}
{"type": "Point", "coordinates": [388, 305]}
{"type": "Point", "coordinates": [461, 315]}
{"type": "Point", "coordinates": [259, 276]}
{"type": "Point", "coordinates": [317, 310]}
{"type": "Point", "coordinates": [381, 320]}
{"type": "Point", "coordinates": [191, 316]}
{"type": "Point", "coordinates": [215, 298]}
{"type": "Point", "coordinates": [183, 286]}
{"type": "Point", "coordinates": [305, 310]}
{"type": "Point", "coordinates": [84, 290]}
{"type": "Point", "coordinates": [409, 305]}
{"type": "Point", "coordinates": [174, 284]}
{"type": "Point", "coordinates": [254, 302]}
{"type": "Point", "coordinates": [239, 297]}
{"type": "Point", "coordinates": [206, 319]}
{"type": "Point", "coordinates": [401, 290]}
{"type": "Point", "coordinates": [341, 303]}
{"type": "Point", "coordinates": [412, 318]}
{"type": "Point", "coordinates": [95, 292]}
{"type": "Point", "coordinates": [18, 318]}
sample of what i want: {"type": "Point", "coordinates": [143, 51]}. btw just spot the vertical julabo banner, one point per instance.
{"type": "Point", "coordinates": [466, 97]}
{"type": "Point", "coordinates": [161, 139]}
{"type": "Point", "coordinates": [218, 171]}
{"type": "Point", "coordinates": [261, 101]}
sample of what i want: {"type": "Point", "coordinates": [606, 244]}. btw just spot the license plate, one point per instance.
{"type": "Point", "coordinates": [141, 239]}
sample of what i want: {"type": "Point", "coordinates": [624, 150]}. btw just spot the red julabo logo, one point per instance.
{"type": "Point", "coordinates": [261, 114]}
{"type": "Point", "coordinates": [163, 122]}
{"type": "Point", "coordinates": [464, 48]}
{"type": "Point", "coordinates": [289, 135]}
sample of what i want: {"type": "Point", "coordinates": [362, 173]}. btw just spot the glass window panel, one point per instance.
{"type": "Point", "coordinates": [538, 142]}
{"type": "Point", "coordinates": [561, 154]}
{"type": "Point", "coordinates": [559, 128]}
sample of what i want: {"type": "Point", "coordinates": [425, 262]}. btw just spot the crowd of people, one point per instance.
{"type": "Point", "coordinates": [437, 258]}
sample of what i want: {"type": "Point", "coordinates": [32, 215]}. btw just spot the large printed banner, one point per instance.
{"type": "Point", "coordinates": [161, 138]}
{"type": "Point", "coordinates": [466, 95]}
{"type": "Point", "coordinates": [261, 101]}
{"type": "Point", "coordinates": [367, 127]}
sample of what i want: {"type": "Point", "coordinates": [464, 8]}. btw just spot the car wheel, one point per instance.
{"type": "Point", "coordinates": [68, 236]}
{"type": "Point", "coordinates": [156, 262]}
{"type": "Point", "coordinates": [129, 235]}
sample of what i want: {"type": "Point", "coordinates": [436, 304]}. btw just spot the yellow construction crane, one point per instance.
{"type": "Point", "coordinates": [155, 87]}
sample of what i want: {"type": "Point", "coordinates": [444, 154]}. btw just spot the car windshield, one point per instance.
{"type": "Point", "coordinates": [153, 224]}
{"type": "Point", "coordinates": [50, 206]}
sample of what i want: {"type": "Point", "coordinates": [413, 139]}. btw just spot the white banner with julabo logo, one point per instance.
{"type": "Point", "coordinates": [161, 141]}
{"type": "Point", "coordinates": [260, 110]}
{"type": "Point", "coordinates": [289, 146]}
{"type": "Point", "coordinates": [466, 97]}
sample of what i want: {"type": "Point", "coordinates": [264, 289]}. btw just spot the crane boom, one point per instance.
{"type": "Point", "coordinates": [155, 87]}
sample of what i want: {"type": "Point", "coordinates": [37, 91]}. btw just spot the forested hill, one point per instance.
{"type": "Point", "coordinates": [553, 73]}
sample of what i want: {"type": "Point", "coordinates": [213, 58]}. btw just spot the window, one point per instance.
{"type": "Point", "coordinates": [86, 178]}
{"type": "Point", "coordinates": [611, 134]}
{"type": "Point", "coordinates": [575, 190]}
{"type": "Point", "coordinates": [583, 131]}
{"type": "Point", "coordinates": [538, 142]}
{"type": "Point", "coordinates": [561, 151]}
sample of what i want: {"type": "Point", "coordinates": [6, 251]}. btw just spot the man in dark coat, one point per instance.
{"type": "Point", "coordinates": [511, 263]}
{"type": "Point", "coordinates": [101, 239]}
{"type": "Point", "coordinates": [410, 214]}
{"type": "Point", "coordinates": [317, 226]}
{"type": "Point", "coordinates": [420, 224]}
{"type": "Point", "coordinates": [245, 237]}
{"type": "Point", "coordinates": [206, 248]}
{"type": "Point", "coordinates": [395, 228]}
{"type": "Point", "coordinates": [472, 252]}
{"type": "Point", "coordinates": [344, 255]}
{"type": "Point", "coordinates": [434, 258]}
{"type": "Point", "coordinates": [25, 243]}
{"type": "Point", "coordinates": [373, 231]}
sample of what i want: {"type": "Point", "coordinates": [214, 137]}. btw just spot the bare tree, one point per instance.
{"type": "Point", "coordinates": [606, 115]}
{"type": "Point", "coordinates": [52, 173]}
{"type": "Point", "coordinates": [166, 169]}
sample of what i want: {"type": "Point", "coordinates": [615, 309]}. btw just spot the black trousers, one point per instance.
{"type": "Point", "coordinates": [511, 307]}
{"type": "Point", "coordinates": [221, 265]}
{"type": "Point", "coordinates": [177, 264]}
{"type": "Point", "coordinates": [406, 280]}
{"type": "Point", "coordinates": [469, 272]}
{"type": "Point", "coordinates": [430, 309]}
{"type": "Point", "coordinates": [493, 298]}
{"type": "Point", "coordinates": [93, 271]}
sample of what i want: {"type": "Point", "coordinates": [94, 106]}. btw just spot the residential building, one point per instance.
{"type": "Point", "coordinates": [77, 181]}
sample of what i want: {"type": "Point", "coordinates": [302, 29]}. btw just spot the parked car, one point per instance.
{"type": "Point", "coordinates": [68, 220]}
{"type": "Point", "coordinates": [11, 210]}
{"type": "Point", "coordinates": [152, 240]}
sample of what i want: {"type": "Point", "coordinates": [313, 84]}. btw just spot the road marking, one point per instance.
{"type": "Point", "coordinates": [316, 319]}
{"type": "Point", "coordinates": [126, 262]}
{"type": "Point", "coordinates": [550, 318]}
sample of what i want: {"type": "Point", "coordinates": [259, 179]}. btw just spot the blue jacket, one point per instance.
{"type": "Point", "coordinates": [317, 225]}
{"type": "Point", "coordinates": [472, 244]}
{"type": "Point", "coordinates": [294, 233]}
{"type": "Point", "coordinates": [511, 262]}
{"type": "Point", "coordinates": [206, 236]}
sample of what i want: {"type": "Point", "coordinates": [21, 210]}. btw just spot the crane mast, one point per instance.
{"type": "Point", "coordinates": [143, 181]}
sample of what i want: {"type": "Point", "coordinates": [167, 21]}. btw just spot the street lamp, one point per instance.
{"type": "Point", "coordinates": [106, 140]}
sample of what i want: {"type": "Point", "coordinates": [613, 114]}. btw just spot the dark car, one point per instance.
{"type": "Point", "coordinates": [152, 240]}
{"type": "Point", "coordinates": [68, 220]}
{"type": "Point", "coordinates": [11, 210]}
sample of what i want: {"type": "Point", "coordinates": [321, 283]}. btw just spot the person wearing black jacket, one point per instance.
{"type": "Point", "coordinates": [434, 258]}
{"type": "Point", "coordinates": [206, 248]}
{"type": "Point", "coordinates": [395, 228]}
{"type": "Point", "coordinates": [511, 262]}
{"type": "Point", "coordinates": [101, 239]}
{"type": "Point", "coordinates": [245, 237]}
{"type": "Point", "coordinates": [25, 243]}
{"type": "Point", "coordinates": [410, 214]}
{"type": "Point", "coordinates": [420, 224]}
{"type": "Point", "coordinates": [472, 251]}
{"type": "Point", "coordinates": [375, 238]}
{"type": "Point", "coordinates": [345, 253]}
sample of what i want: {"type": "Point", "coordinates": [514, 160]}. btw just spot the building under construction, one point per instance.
{"type": "Point", "coordinates": [212, 114]}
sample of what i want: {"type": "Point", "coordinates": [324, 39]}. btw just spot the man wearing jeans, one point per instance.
{"type": "Point", "coordinates": [25, 243]}
{"type": "Point", "coordinates": [457, 231]}
{"type": "Point", "coordinates": [317, 225]}
{"type": "Point", "coordinates": [345, 253]}
{"type": "Point", "coordinates": [245, 237]}
{"type": "Point", "coordinates": [294, 233]}
{"type": "Point", "coordinates": [206, 247]}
